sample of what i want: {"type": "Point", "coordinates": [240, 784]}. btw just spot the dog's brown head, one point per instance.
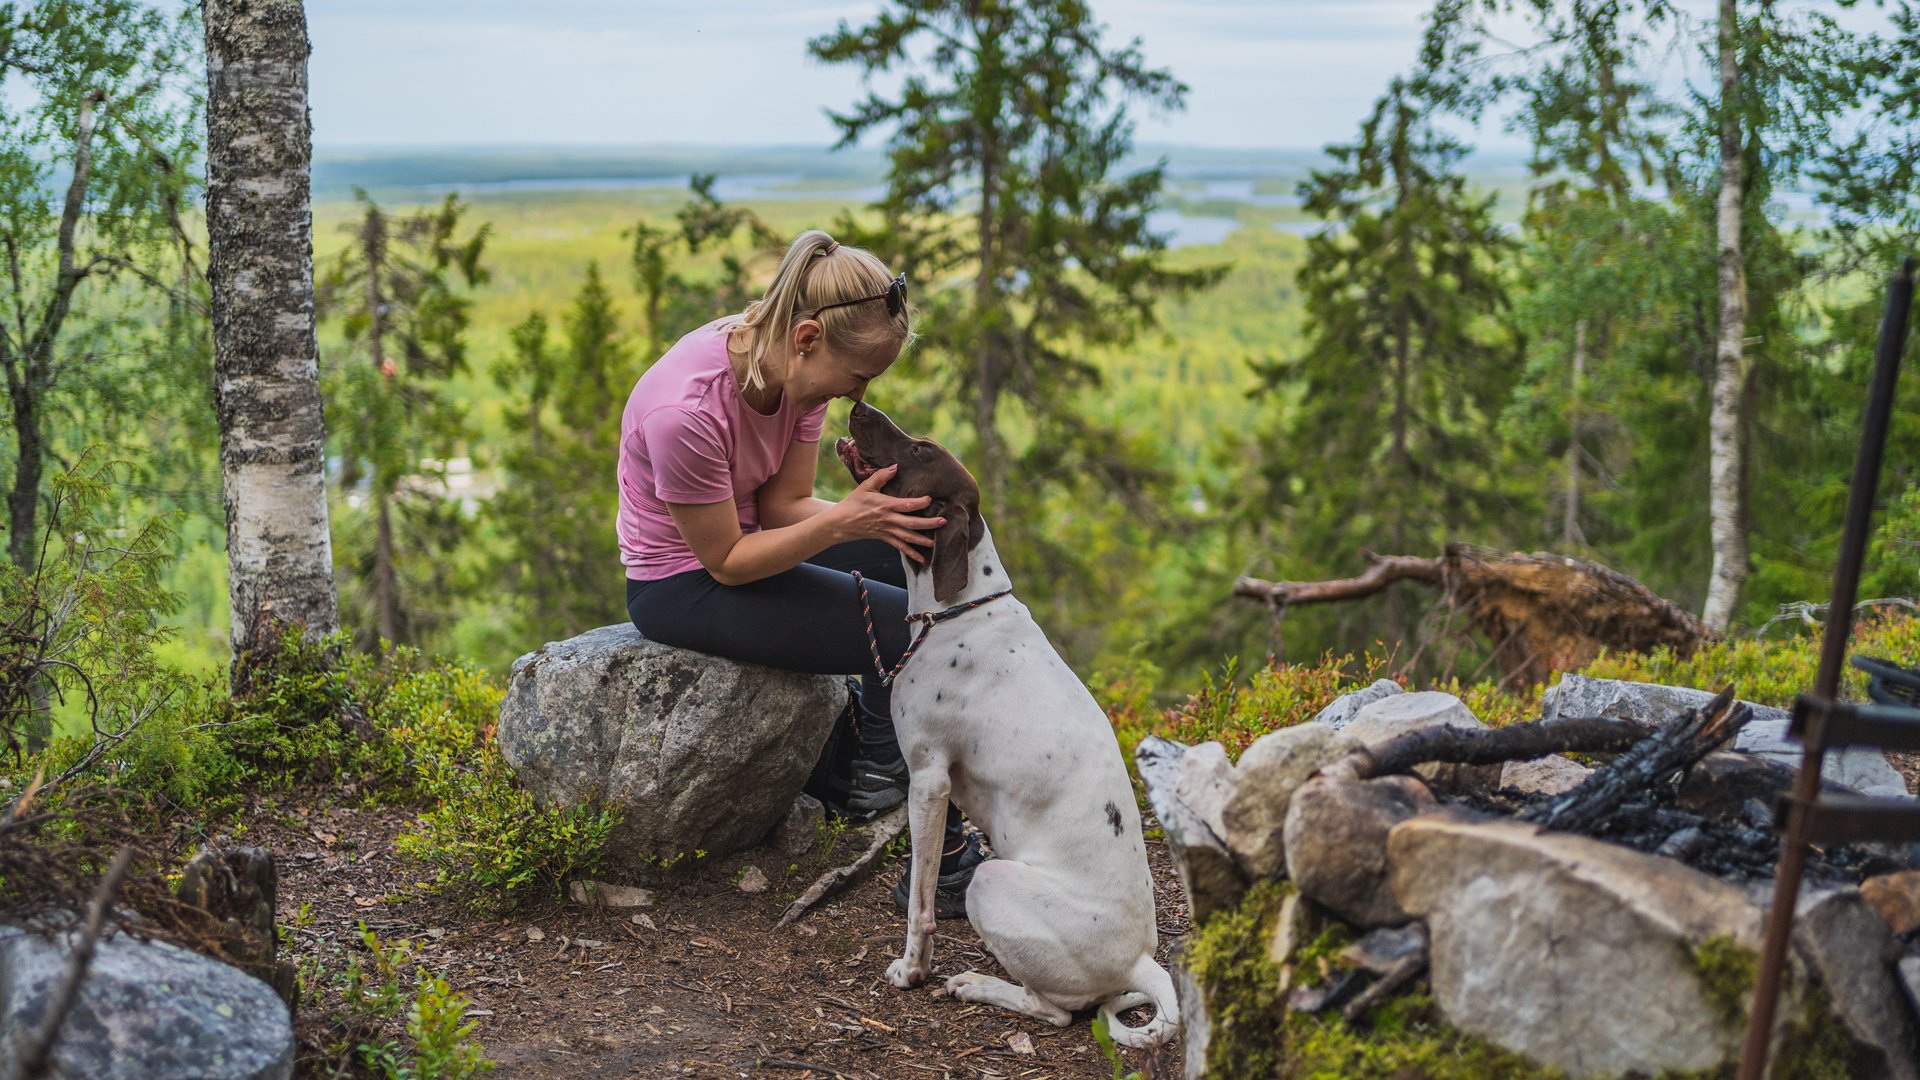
{"type": "Point", "coordinates": [926, 468]}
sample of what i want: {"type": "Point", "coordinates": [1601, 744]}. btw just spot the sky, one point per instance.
{"type": "Point", "coordinates": [420, 73]}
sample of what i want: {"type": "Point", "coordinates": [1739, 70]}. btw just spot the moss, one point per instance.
{"type": "Point", "coordinates": [1727, 972]}
{"type": "Point", "coordinates": [1316, 961]}
{"type": "Point", "coordinates": [1405, 1037]}
{"type": "Point", "coordinates": [1227, 956]}
{"type": "Point", "coordinates": [1813, 1047]}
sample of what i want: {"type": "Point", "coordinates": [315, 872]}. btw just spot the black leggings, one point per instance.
{"type": "Point", "coordinates": [804, 619]}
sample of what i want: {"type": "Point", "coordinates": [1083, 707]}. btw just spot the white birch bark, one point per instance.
{"type": "Point", "coordinates": [1727, 515]}
{"type": "Point", "coordinates": [266, 358]}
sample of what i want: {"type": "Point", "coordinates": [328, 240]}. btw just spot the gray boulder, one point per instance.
{"type": "Point", "coordinates": [1336, 843]}
{"type": "Point", "coordinates": [698, 753]}
{"type": "Point", "coordinates": [1860, 768]}
{"type": "Point", "coordinates": [147, 1011]}
{"type": "Point", "coordinates": [1572, 951]}
{"type": "Point", "coordinates": [1341, 712]}
{"type": "Point", "coordinates": [1394, 715]}
{"type": "Point", "coordinates": [1187, 786]}
{"type": "Point", "coordinates": [1269, 772]}
{"type": "Point", "coordinates": [1851, 952]}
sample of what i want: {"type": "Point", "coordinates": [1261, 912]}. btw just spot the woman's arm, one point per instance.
{"type": "Point", "coordinates": [787, 497]}
{"type": "Point", "coordinates": [712, 531]}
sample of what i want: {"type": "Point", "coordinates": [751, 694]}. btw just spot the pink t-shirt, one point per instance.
{"type": "Point", "coordinates": [687, 436]}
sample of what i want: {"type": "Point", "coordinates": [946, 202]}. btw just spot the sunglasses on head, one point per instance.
{"type": "Point", "coordinates": [895, 296]}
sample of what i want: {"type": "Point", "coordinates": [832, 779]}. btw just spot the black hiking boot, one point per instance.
{"type": "Point", "coordinates": [950, 889]}
{"type": "Point", "coordinates": [876, 787]}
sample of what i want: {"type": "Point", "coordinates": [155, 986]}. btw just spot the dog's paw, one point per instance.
{"type": "Point", "coordinates": [904, 975]}
{"type": "Point", "coordinates": [957, 985]}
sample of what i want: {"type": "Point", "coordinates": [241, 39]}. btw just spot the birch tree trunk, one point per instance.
{"type": "Point", "coordinates": [1570, 534]}
{"type": "Point", "coordinates": [266, 358]}
{"type": "Point", "coordinates": [1729, 371]}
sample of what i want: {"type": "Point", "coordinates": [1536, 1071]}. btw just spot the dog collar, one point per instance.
{"type": "Point", "coordinates": [926, 619]}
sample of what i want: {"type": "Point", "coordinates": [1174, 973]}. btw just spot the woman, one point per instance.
{"type": "Point", "coordinates": [727, 550]}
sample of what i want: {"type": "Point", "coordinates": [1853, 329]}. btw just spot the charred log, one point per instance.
{"type": "Point", "coordinates": [1491, 746]}
{"type": "Point", "coordinates": [1655, 765]}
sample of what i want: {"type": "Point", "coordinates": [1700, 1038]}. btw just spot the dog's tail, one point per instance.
{"type": "Point", "coordinates": [1155, 987]}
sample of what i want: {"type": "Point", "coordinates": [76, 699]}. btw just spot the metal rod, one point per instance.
{"type": "Point", "coordinates": [1826, 683]}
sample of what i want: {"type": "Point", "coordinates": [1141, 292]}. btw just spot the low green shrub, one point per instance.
{"type": "Point", "coordinates": [355, 1008]}
{"type": "Point", "coordinates": [491, 846]}
{"type": "Point", "coordinates": [1771, 670]}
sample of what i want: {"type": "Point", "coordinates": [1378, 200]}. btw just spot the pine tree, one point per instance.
{"type": "Point", "coordinates": [1005, 149]}
{"type": "Point", "coordinates": [1383, 438]}
{"type": "Point", "coordinates": [394, 289]}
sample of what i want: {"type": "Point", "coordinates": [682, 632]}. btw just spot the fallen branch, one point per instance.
{"type": "Point", "coordinates": [1398, 976]}
{"type": "Point", "coordinates": [1543, 613]}
{"type": "Point", "coordinates": [885, 829]}
{"type": "Point", "coordinates": [1645, 768]}
{"type": "Point", "coordinates": [1490, 746]}
{"type": "Point", "coordinates": [37, 1052]}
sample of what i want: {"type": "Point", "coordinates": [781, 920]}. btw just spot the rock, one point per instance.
{"type": "Point", "coordinates": [1382, 950]}
{"type": "Point", "coordinates": [1336, 841]}
{"type": "Point", "coordinates": [1544, 777]}
{"type": "Point", "coordinates": [1394, 715]}
{"type": "Point", "coordinates": [1206, 783]}
{"type": "Point", "coordinates": [1339, 714]}
{"type": "Point", "coordinates": [1908, 972]}
{"type": "Point", "coordinates": [602, 894]}
{"type": "Point", "coordinates": [1851, 953]}
{"type": "Point", "coordinates": [1896, 897]}
{"type": "Point", "coordinates": [753, 881]}
{"type": "Point", "coordinates": [1196, 1027]}
{"type": "Point", "coordinates": [799, 828]}
{"type": "Point", "coordinates": [1572, 951]}
{"type": "Point", "coordinates": [696, 752]}
{"type": "Point", "coordinates": [1289, 930]}
{"type": "Point", "coordinates": [146, 1010]}
{"type": "Point", "coordinates": [1859, 768]}
{"type": "Point", "coordinates": [1208, 874]}
{"type": "Point", "coordinates": [1270, 770]}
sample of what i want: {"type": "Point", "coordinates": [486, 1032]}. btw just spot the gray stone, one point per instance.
{"type": "Point", "coordinates": [1208, 874]}
{"type": "Point", "coordinates": [1547, 776]}
{"type": "Point", "coordinates": [147, 1011]}
{"type": "Point", "coordinates": [1268, 774]}
{"type": "Point", "coordinates": [1339, 714]}
{"type": "Point", "coordinates": [1196, 1025]}
{"type": "Point", "coordinates": [1395, 715]}
{"type": "Point", "coordinates": [753, 881]}
{"type": "Point", "coordinates": [1908, 971]}
{"type": "Point", "coordinates": [1851, 953]}
{"type": "Point", "coordinates": [1860, 768]}
{"type": "Point", "coordinates": [1337, 843]}
{"type": "Point", "coordinates": [799, 828]}
{"type": "Point", "coordinates": [1572, 951]}
{"type": "Point", "coordinates": [696, 752]}
{"type": "Point", "coordinates": [1206, 784]}
{"type": "Point", "coordinates": [602, 894]}
{"type": "Point", "coordinates": [1380, 951]}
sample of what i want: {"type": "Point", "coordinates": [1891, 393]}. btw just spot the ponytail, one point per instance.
{"type": "Point", "coordinates": [818, 270]}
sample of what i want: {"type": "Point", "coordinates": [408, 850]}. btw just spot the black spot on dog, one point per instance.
{"type": "Point", "coordinates": [1113, 818]}
{"type": "Point", "coordinates": [955, 662]}
{"type": "Point", "coordinates": [937, 695]}
{"type": "Point", "coordinates": [986, 570]}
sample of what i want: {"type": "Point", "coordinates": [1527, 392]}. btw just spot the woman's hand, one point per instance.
{"type": "Point", "coordinates": [868, 513]}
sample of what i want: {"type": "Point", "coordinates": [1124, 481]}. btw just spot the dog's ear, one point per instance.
{"type": "Point", "coordinates": [952, 544]}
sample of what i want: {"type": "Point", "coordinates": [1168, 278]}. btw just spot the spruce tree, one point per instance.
{"type": "Point", "coordinates": [394, 287]}
{"type": "Point", "coordinates": [1382, 437]}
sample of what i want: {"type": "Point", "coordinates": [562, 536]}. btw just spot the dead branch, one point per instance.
{"type": "Point", "coordinates": [1489, 746]}
{"type": "Point", "coordinates": [1543, 612]}
{"type": "Point", "coordinates": [1645, 768]}
{"type": "Point", "coordinates": [885, 829]}
{"type": "Point", "coordinates": [1400, 975]}
{"type": "Point", "coordinates": [37, 1053]}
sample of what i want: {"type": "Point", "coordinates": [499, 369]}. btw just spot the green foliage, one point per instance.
{"type": "Point", "coordinates": [1103, 1038]}
{"type": "Point", "coordinates": [1232, 712]}
{"type": "Point", "coordinates": [1727, 972]}
{"type": "Point", "coordinates": [1404, 1037]}
{"type": "Point", "coordinates": [439, 1041]}
{"type": "Point", "coordinates": [491, 845]}
{"type": "Point", "coordinates": [1769, 671]}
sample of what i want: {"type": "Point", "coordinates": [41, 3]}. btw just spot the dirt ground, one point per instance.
{"type": "Point", "coordinates": [701, 984]}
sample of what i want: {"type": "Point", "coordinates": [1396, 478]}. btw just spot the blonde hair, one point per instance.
{"type": "Point", "coordinates": [819, 270]}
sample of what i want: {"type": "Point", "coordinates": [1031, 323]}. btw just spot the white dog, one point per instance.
{"type": "Point", "coordinates": [991, 717]}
